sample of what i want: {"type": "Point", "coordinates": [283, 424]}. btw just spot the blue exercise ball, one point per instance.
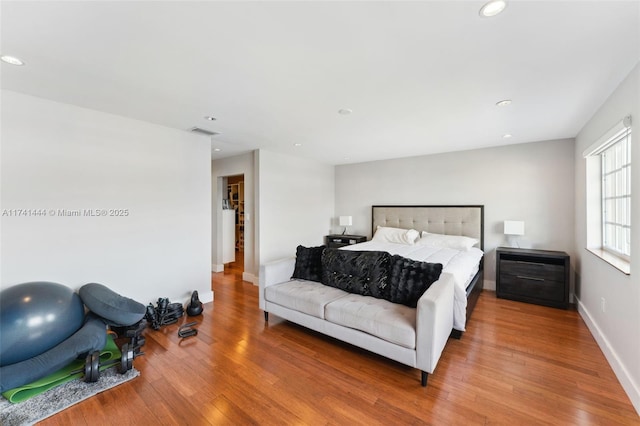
{"type": "Point", "coordinates": [35, 317]}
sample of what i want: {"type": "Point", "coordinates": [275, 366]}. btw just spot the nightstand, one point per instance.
{"type": "Point", "coordinates": [533, 276]}
{"type": "Point", "coordinates": [339, 240]}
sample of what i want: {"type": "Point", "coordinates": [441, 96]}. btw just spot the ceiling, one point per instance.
{"type": "Point", "coordinates": [419, 77]}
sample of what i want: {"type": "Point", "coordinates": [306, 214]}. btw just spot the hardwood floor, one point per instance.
{"type": "Point", "coordinates": [516, 364]}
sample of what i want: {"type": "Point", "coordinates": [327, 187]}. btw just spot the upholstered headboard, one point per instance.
{"type": "Point", "coordinates": [447, 220]}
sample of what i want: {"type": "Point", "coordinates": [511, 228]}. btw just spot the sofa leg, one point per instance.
{"type": "Point", "coordinates": [266, 316]}
{"type": "Point", "coordinates": [456, 334]}
{"type": "Point", "coordinates": [425, 375]}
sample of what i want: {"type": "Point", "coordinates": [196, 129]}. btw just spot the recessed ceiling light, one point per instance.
{"type": "Point", "coordinates": [11, 60]}
{"type": "Point", "coordinates": [209, 117]}
{"type": "Point", "coordinates": [492, 8]}
{"type": "Point", "coordinates": [297, 144]}
{"type": "Point", "coordinates": [507, 136]}
{"type": "Point", "coordinates": [217, 149]}
{"type": "Point", "coordinates": [344, 111]}
{"type": "Point", "coordinates": [504, 102]}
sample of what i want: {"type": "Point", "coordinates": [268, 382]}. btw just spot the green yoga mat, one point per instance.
{"type": "Point", "coordinates": [22, 393]}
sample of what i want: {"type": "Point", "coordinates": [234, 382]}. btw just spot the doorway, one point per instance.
{"type": "Point", "coordinates": [234, 200]}
{"type": "Point", "coordinates": [225, 172]}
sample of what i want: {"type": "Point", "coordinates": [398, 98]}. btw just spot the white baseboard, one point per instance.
{"type": "Point", "coordinates": [246, 276]}
{"type": "Point", "coordinates": [489, 285]}
{"type": "Point", "coordinates": [626, 380]}
{"type": "Point", "coordinates": [206, 296]}
{"type": "Point", "coordinates": [250, 277]}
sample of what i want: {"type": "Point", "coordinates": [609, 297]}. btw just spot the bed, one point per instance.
{"type": "Point", "coordinates": [465, 265]}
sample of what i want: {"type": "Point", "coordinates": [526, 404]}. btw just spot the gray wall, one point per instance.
{"type": "Point", "coordinates": [295, 199]}
{"type": "Point", "coordinates": [531, 182]}
{"type": "Point", "coordinates": [57, 156]}
{"type": "Point", "coordinates": [617, 330]}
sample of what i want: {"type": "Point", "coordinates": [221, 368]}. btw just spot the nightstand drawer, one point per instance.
{"type": "Point", "coordinates": [524, 268]}
{"type": "Point", "coordinates": [337, 241]}
{"type": "Point", "coordinates": [532, 287]}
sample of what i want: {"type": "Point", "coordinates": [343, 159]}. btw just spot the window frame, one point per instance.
{"type": "Point", "coordinates": [613, 217]}
{"type": "Point", "coordinates": [596, 191]}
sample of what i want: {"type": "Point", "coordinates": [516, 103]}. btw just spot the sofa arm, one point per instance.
{"type": "Point", "coordinates": [434, 321]}
{"type": "Point", "coordinates": [275, 272]}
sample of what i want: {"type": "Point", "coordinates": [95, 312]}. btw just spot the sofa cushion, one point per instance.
{"type": "Point", "coordinates": [389, 321]}
{"type": "Point", "coordinates": [409, 279]}
{"type": "Point", "coordinates": [308, 263]}
{"type": "Point", "coordinates": [360, 272]}
{"type": "Point", "coordinates": [304, 296]}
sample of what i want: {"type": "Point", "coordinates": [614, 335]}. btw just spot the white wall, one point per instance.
{"type": "Point", "coordinates": [617, 330]}
{"type": "Point", "coordinates": [531, 182]}
{"type": "Point", "coordinates": [295, 204]}
{"type": "Point", "coordinates": [231, 166]}
{"type": "Point", "coordinates": [57, 156]}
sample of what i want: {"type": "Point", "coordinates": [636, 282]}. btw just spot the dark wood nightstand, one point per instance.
{"type": "Point", "coordinates": [533, 276]}
{"type": "Point", "coordinates": [338, 240]}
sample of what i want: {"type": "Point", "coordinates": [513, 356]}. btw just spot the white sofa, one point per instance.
{"type": "Point", "coordinates": [412, 336]}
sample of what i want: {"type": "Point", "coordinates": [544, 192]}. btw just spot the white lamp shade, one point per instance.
{"type": "Point", "coordinates": [346, 220]}
{"type": "Point", "coordinates": [513, 227]}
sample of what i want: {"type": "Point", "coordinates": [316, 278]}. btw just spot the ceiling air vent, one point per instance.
{"type": "Point", "coordinates": [203, 131]}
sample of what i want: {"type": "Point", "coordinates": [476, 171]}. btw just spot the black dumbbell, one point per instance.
{"type": "Point", "coordinates": [92, 363]}
{"type": "Point", "coordinates": [133, 333]}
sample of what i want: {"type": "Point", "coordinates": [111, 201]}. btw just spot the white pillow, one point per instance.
{"type": "Point", "coordinates": [395, 235]}
{"type": "Point", "coordinates": [457, 242]}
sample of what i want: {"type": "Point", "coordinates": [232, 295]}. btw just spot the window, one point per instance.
{"type": "Point", "coordinates": [616, 196]}
{"type": "Point", "coordinates": [608, 196]}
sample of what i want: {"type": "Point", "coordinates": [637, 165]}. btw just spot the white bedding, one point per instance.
{"type": "Point", "coordinates": [463, 265]}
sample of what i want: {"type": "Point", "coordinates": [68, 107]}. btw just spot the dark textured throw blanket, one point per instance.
{"type": "Point", "coordinates": [360, 272]}
{"type": "Point", "coordinates": [369, 273]}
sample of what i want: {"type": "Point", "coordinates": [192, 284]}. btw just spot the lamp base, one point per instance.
{"type": "Point", "coordinates": [512, 241]}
